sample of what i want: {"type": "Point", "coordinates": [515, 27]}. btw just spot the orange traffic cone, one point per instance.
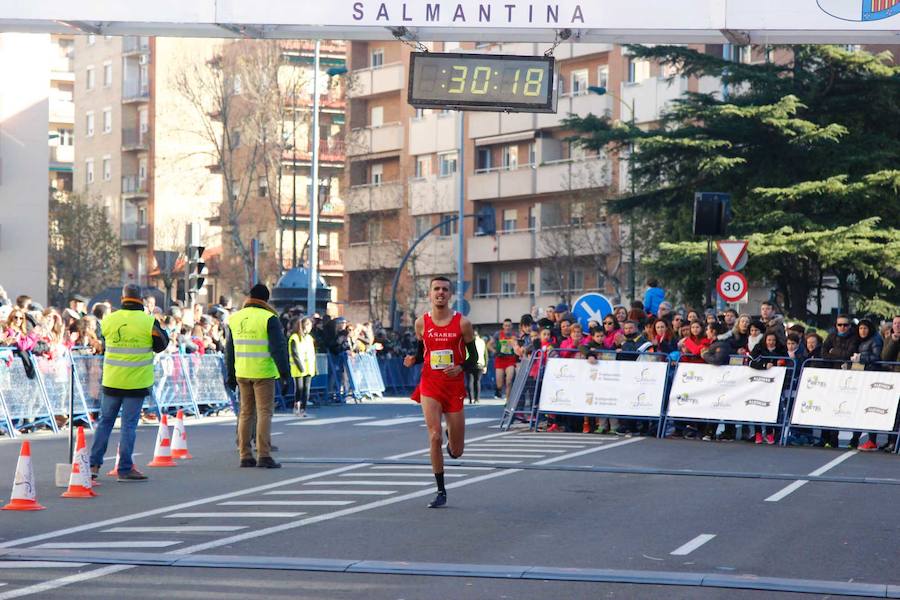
{"type": "Point", "coordinates": [24, 494]}
{"type": "Point", "coordinates": [114, 472]}
{"type": "Point", "coordinates": [162, 455]}
{"type": "Point", "coordinates": [80, 479]}
{"type": "Point", "coordinates": [179, 438]}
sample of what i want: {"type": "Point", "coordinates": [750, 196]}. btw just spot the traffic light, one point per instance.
{"type": "Point", "coordinates": [196, 268]}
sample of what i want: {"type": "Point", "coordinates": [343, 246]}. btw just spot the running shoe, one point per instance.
{"type": "Point", "coordinates": [553, 427]}
{"type": "Point", "coordinates": [758, 438]}
{"type": "Point", "coordinates": [770, 439]}
{"type": "Point", "coordinates": [869, 446]}
{"type": "Point", "coordinates": [586, 428]}
{"type": "Point", "coordinates": [707, 438]}
{"type": "Point", "coordinates": [439, 500]}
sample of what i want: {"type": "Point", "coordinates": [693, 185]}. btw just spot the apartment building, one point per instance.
{"type": "Point", "coordinates": [140, 152]}
{"type": "Point", "coordinates": [62, 111]}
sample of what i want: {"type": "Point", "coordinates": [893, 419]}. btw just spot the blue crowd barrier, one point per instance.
{"type": "Point", "coordinates": [364, 376]}
{"type": "Point", "coordinates": [25, 402]}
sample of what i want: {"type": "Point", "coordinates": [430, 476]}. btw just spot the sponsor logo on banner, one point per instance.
{"type": "Point", "coordinates": [455, 12]}
{"type": "Point", "coordinates": [594, 373]}
{"type": "Point", "coordinates": [808, 406]}
{"type": "Point", "coordinates": [641, 401]}
{"type": "Point", "coordinates": [757, 402]}
{"type": "Point", "coordinates": [721, 403]}
{"type": "Point", "coordinates": [877, 410]}
{"type": "Point", "coordinates": [847, 386]}
{"type": "Point", "coordinates": [561, 397]}
{"type": "Point", "coordinates": [612, 377]}
{"type": "Point", "coordinates": [859, 10]}
{"type": "Point", "coordinates": [761, 379]}
{"type": "Point", "coordinates": [645, 377]}
{"type": "Point", "coordinates": [814, 382]}
{"type": "Point", "coordinates": [841, 409]}
{"type": "Point", "coordinates": [682, 399]}
{"type": "Point", "coordinates": [690, 376]}
{"type": "Point", "coordinates": [726, 379]}
{"type": "Point", "coordinates": [564, 372]}
{"type": "Point", "coordinates": [878, 385]}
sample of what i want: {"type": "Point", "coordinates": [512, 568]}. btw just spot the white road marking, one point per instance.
{"type": "Point", "coordinates": [331, 421]}
{"type": "Point", "coordinates": [515, 449]}
{"type": "Point", "coordinates": [53, 584]}
{"type": "Point", "coordinates": [113, 457]}
{"type": "Point", "coordinates": [428, 467]}
{"type": "Point", "coordinates": [493, 462]}
{"type": "Point", "coordinates": [550, 461]}
{"type": "Point", "coordinates": [399, 474]}
{"type": "Point", "coordinates": [537, 444]}
{"type": "Point", "coordinates": [412, 483]}
{"type": "Point", "coordinates": [475, 421]}
{"type": "Point", "coordinates": [176, 529]}
{"type": "Point", "coordinates": [234, 515]}
{"type": "Point", "coordinates": [287, 503]}
{"type": "Point", "coordinates": [38, 564]}
{"type": "Point", "coordinates": [693, 544]}
{"type": "Point", "coordinates": [796, 485]}
{"type": "Point", "coordinates": [274, 433]}
{"type": "Point", "coordinates": [425, 451]}
{"type": "Point", "coordinates": [390, 422]}
{"type": "Point", "coordinates": [496, 455]}
{"type": "Point", "coordinates": [131, 544]}
{"type": "Point", "coordinates": [329, 492]}
{"type": "Point", "coordinates": [166, 509]}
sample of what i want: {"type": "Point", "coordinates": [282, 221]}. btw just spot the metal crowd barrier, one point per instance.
{"type": "Point", "coordinates": [522, 402]}
{"type": "Point", "coordinates": [55, 376]}
{"type": "Point", "coordinates": [365, 376]}
{"type": "Point", "coordinates": [25, 403]}
{"type": "Point", "coordinates": [318, 389]}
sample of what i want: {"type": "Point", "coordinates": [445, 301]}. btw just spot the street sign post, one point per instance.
{"type": "Point", "coordinates": [591, 307]}
{"type": "Point", "coordinates": [732, 286]}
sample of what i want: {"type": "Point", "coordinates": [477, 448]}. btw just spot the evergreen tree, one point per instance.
{"type": "Point", "coordinates": [808, 146]}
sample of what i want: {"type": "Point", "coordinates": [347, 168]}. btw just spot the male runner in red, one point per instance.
{"type": "Point", "coordinates": [445, 336]}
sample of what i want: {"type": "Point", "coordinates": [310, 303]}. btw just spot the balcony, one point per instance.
{"type": "Point", "coordinates": [433, 194]}
{"type": "Point", "coordinates": [331, 150]}
{"type": "Point", "coordinates": [484, 124]}
{"type": "Point", "coordinates": [62, 154]}
{"type": "Point", "coordinates": [367, 256]}
{"type": "Point", "coordinates": [375, 196]}
{"type": "Point", "coordinates": [574, 240]}
{"type": "Point", "coordinates": [134, 234]}
{"type": "Point", "coordinates": [62, 68]}
{"type": "Point", "coordinates": [133, 187]}
{"type": "Point", "coordinates": [135, 139]}
{"type": "Point", "coordinates": [576, 104]}
{"type": "Point", "coordinates": [651, 97]}
{"type": "Point", "coordinates": [503, 247]}
{"type": "Point", "coordinates": [62, 111]}
{"type": "Point", "coordinates": [329, 260]}
{"type": "Point", "coordinates": [135, 44]}
{"type": "Point", "coordinates": [435, 255]}
{"type": "Point", "coordinates": [376, 80]}
{"type": "Point", "coordinates": [493, 308]}
{"type": "Point", "coordinates": [376, 140]}
{"type": "Point", "coordinates": [433, 132]}
{"type": "Point", "coordinates": [133, 94]}
{"type": "Point", "coordinates": [573, 174]}
{"type": "Point", "coordinates": [501, 182]}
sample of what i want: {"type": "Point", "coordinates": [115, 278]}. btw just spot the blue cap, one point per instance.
{"type": "Point", "coordinates": [562, 307]}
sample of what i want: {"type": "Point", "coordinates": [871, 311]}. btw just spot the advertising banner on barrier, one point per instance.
{"type": "Point", "coordinates": [727, 393]}
{"type": "Point", "coordinates": [608, 387]}
{"type": "Point", "coordinates": [853, 400]}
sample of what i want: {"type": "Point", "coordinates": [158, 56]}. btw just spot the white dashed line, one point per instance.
{"type": "Point", "coordinates": [177, 529]}
{"type": "Point", "coordinates": [796, 485]}
{"type": "Point", "coordinates": [693, 544]}
{"type": "Point", "coordinates": [234, 515]}
{"type": "Point", "coordinates": [86, 545]}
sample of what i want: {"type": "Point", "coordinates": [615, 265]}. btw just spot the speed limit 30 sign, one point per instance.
{"type": "Point", "coordinates": [732, 286]}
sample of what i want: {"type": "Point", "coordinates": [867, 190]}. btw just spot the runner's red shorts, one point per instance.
{"type": "Point", "coordinates": [450, 392]}
{"type": "Point", "coordinates": [504, 362]}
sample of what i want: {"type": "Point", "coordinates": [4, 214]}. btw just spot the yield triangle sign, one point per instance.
{"type": "Point", "coordinates": [732, 251]}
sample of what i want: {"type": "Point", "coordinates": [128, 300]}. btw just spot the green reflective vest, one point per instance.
{"type": "Point", "coordinates": [306, 348]}
{"type": "Point", "coordinates": [128, 363]}
{"type": "Point", "coordinates": [249, 333]}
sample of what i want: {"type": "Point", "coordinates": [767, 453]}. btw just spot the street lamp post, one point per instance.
{"type": "Point", "coordinates": [602, 91]}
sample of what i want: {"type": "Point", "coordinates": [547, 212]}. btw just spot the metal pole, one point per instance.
{"type": "Point", "coordinates": [314, 195]}
{"type": "Point", "coordinates": [709, 281]}
{"type": "Point", "coordinates": [71, 409]}
{"type": "Point", "coordinates": [294, 175]}
{"type": "Point", "coordinates": [633, 188]}
{"type": "Point", "coordinates": [461, 197]}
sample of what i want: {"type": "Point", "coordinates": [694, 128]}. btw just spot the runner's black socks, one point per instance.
{"type": "Point", "coordinates": [439, 478]}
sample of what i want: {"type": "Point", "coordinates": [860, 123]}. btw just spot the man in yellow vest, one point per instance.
{"type": "Point", "coordinates": [131, 336]}
{"type": "Point", "coordinates": [256, 356]}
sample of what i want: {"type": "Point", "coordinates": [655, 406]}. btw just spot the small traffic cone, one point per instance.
{"type": "Point", "coordinates": [24, 494]}
{"type": "Point", "coordinates": [162, 454]}
{"type": "Point", "coordinates": [114, 472]}
{"type": "Point", "coordinates": [80, 479]}
{"type": "Point", "coordinates": [179, 438]}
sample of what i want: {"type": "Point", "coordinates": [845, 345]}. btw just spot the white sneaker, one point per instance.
{"type": "Point", "coordinates": [303, 414]}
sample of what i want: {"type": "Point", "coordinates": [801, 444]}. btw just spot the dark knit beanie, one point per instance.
{"type": "Point", "coordinates": [259, 292]}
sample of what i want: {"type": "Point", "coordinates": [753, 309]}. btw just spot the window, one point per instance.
{"type": "Point", "coordinates": [483, 159]}
{"type": "Point", "coordinates": [376, 59]}
{"type": "Point", "coordinates": [423, 166]}
{"type": "Point", "coordinates": [373, 229]}
{"type": "Point", "coordinates": [236, 139]}
{"type": "Point", "coordinates": [142, 170]}
{"type": "Point", "coordinates": [508, 283]}
{"type": "Point", "coordinates": [532, 217]}
{"type": "Point", "coordinates": [576, 280]}
{"type": "Point", "coordinates": [89, 171]}
{"type": "Point", "coordinates": [236, 84]}
{"type": "Point", "coordinates": [561, 86]}
{"type": "Point", "coordinates": [603, 76]}
{"type": "Point", "coordinates": [377, 116]}
{"type": "Point", "coordinates": [532, 156]}
{"type": "Point", "coordinates": [107, 120]}
{"type": "Point", "coordinates": [577, 213]}
{"type": "Point", "coordinates": [107, 74]}
{"type": "Point", "coordinates": [64, 137]}
{"type": "Point", "coordinates": [262, 185]}
{"type": "Point", "coordinates": [92, 39]}
{"type": "Point", "coordinates": [449, 228]}
{"type": "Point", "coordinates": [447, 164]}
{"type": "Point", "coordinates": [143, 122]}
{"type": "Point", "coordinates": [420, 113]}
{"type": "Point", "coordinates": [531, 287]}
{"type": "Point", "coordinates": [377, 174]}
{"type": "Point", "coordinates": [601, 279]}
{"type": "Point", "coordinates": [510, 157]}
{"type": "Point", "coordinates": [510, 218]}
{"type": "Point", "coordinates": [483, 284]}
{"type": "Point", "coordinates": [579, 82]}
{"type": "Point", "coordinates": [549, 281]}
{"type": "Point", "coordinates": [89, 123]}
{"type": "Point", "coordinates": [89, 78]}
{"type": "Point", "coordinates": [422, 223]}
{"type": "Point", "coordinates": [638, 70]}
{"type": "Point", "coordinates": [107, 168]}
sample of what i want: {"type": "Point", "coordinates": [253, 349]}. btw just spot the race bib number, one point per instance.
{"type": "Point", "coordinates": [441, 359]}
{"type": "Point", "coordinates": [504, 347]}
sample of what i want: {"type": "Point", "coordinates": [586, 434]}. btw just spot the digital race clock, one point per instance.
{"type": "Point", "coordinates": [481, 82]}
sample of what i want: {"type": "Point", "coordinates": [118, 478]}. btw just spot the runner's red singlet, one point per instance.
{"type": "Point", "coordinates": [444, 348]}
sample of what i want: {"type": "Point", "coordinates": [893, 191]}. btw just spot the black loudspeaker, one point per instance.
{"type": "Point", "coordinates": [711, 213]}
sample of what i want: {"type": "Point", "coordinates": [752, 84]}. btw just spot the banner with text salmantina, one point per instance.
{"type": "Point", "coordinates": [726, 393]}
{"type": "Point", "coordinates": [853, 400]}
{"type": "Point", "coordinates": [609, 387]}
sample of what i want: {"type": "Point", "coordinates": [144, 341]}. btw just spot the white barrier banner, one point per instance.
{"type": "Point", "coordinates": [727, 393]}
{"type": "Point", "coordinates": [608, 387]}
{"type": "Point", "coordinates": [853, 400]}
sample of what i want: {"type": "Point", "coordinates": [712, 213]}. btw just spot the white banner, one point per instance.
{"type": "Point", "coordinates": [851, 400]}
{"type": "Point", "coordinates": [608, 387]}
{"type": "Point", "coordinates": [727, 393]}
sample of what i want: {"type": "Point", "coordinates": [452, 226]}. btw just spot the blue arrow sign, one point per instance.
{"type": "Point", "coordinates": [591, 307]}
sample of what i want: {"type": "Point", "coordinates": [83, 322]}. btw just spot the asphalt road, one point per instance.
{"type": "Point", "coordinates": [529, 516]}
